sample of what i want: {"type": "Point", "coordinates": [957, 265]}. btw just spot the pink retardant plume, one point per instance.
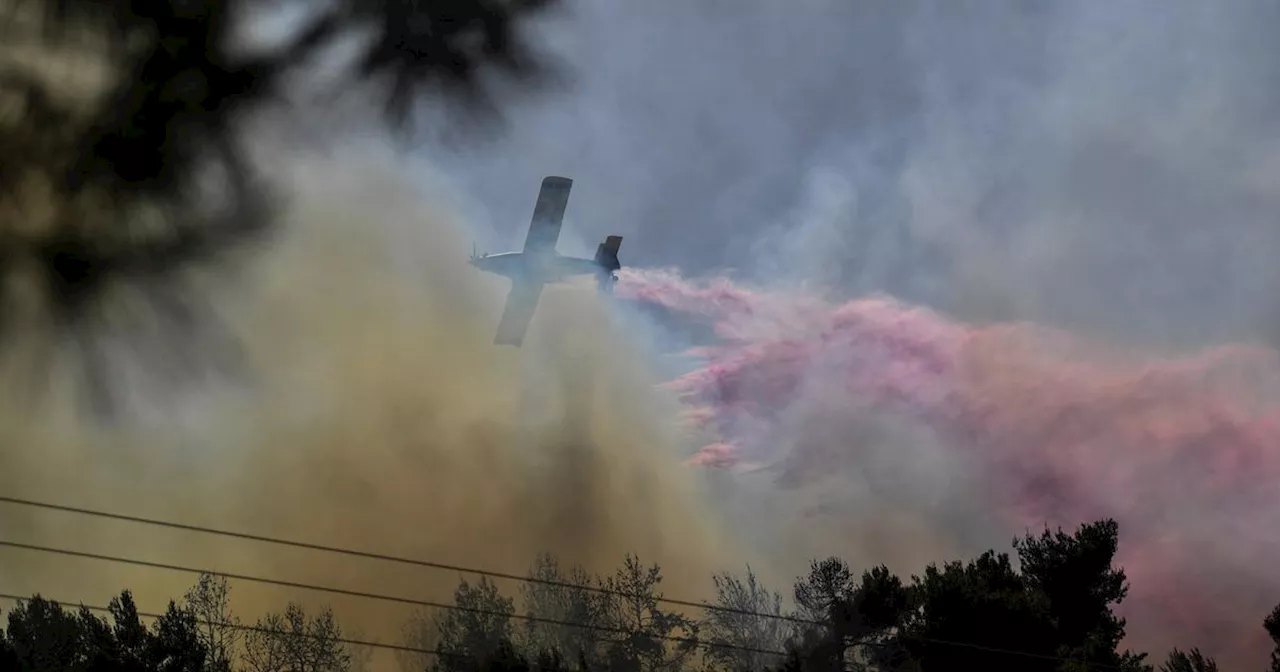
{"type": "Point", "coordinates": [1184, 453]}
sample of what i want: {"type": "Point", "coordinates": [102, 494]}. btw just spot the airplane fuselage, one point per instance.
{"type": "Point", "coordinates": [539, 268]}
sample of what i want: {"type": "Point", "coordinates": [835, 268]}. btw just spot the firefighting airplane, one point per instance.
{"type": "Point", "coordinates": [539, 263]}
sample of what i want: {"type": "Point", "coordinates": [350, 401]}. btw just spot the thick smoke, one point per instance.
{"type": "Point", "coordinates": [371, 410]}
{"type": "Point", "coordinates": [1086, 189]}
{"type": "Point", "coordinates": [1101, 175]}
{"type": "Point", "coordinates": [1032, 425]}
{"type": "Point", "coordinates": [332, 380]}
{"type": "Point", "coordinates": [1104, 167]}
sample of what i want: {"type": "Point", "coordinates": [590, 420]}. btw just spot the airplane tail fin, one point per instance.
{"type": "Point", "coordinates": [607, 253]}
{"type": "Point", "coordinates": [607, 258]}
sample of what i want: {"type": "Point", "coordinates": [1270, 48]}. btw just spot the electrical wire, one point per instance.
{"type": "Point", "coordinates": [689, 641]}
{"type": "Point", "coordinates": [387, 558]}
{"type": "Point", "coordinates": [992, 649]}
{"type": "Point", "coordinates": [251, 628]}
{"type": "Point", "coordinates": [437, 652]}
{"type": "Point", "coordinates": [456, 568]}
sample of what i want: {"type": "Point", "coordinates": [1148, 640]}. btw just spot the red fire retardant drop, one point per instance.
{"type": "Point", "coordinates": [1184, 453]}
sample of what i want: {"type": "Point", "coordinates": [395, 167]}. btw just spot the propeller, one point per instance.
{"type": "Point", "coordinates": [605, 281]}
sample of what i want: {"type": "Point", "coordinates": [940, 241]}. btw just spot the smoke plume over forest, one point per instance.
{"type": "Point", "coordinates": [1003, 425]}
{"type": "Point", "coordinates": [950, 271]}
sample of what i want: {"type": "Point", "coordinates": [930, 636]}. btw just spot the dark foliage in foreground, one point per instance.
{"type": "Point", "coordinates": [137, 178]}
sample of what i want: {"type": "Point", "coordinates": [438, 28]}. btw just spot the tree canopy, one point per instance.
{"type": "Point", "coordinates": [41, 635]}
{"type": "Point", "coordinates": [1052, 610]}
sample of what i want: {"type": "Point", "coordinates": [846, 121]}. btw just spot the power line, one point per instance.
{"type": "Point", "coordinates": [386, 558]}
{"type": "Point", "coordinates": [992, 649]}
{"type": "Point", "coordinates": [253, 628]}
{"type": "Point", "coordinates": [436, 652]}
{"type": "Point", "coordinates": [457, 568]}
{"type": "Point", "coordinates": [487, 612]}
{"type": "Point", "coordinates": [693, 641]}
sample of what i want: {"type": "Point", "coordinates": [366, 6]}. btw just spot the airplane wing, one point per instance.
{"type": "Point", "coordinates": [521, 302]}
{"type": "Point", "coordinates": [548, 214]}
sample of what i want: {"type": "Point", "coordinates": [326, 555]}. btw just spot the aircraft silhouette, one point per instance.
{"type": "Point", "coordinates": [539, 263]}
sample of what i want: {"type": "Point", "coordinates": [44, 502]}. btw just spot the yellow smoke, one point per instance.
{"type": "Point", "coordinates": [370, 410]}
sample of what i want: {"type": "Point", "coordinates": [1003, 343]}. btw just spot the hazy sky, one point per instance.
{"type": "Point", "coordinates": [1107, 166]}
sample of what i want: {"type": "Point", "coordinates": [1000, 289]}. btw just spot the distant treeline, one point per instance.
{"type": "Point", "coordinates": [1054, 613]}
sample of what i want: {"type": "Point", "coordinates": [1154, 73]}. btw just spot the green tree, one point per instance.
{"type": "Point", "coordinates": [1076, 577]}
{"type": "Point", "coordinates": [844, 616]}
{"type": "Point", "coordinates": [113, 190]}
{"type": "Point", "coordinates": [418, 632]}
{"type": "Point", "coordinates": [566, 597]}
{"type": "Point", "coordinates": [749, 616]}
{"type": "Point", "coordinates": [651, 638]}
{"type": "Point", "coordinates": [477, 629]}
{"type": "Point", "coordinates": [43, 636]}
{"type": "Point", "coordinates": [508, 658]}
{"type": "Point", "coordinates": [819, 597]}
{"type": "Point", "coordinates": [828, 585]}
{"type": "Point", "coordinates": [292, 641]}
{"type": "Point", "coordinates": [1272, 625]}
{"type": "Point", "coordinates": [175, 644]}
{"type": "Point", "coordinates": [1059, 607]}
{"type": "Point", "coordinates": [8, 657]}
{"type": "Point", "coordinates": [1188, 661]}
{"type": "Point", "coordinates": [881, 605]}
{"type": "Point", "coordinates": [150, 133]}
{"type": "Point", "coordinates": [219, 629]}
{"type": "Point", "coordinates": [983, 603]}
{"type": "Point", "coordinates": [131, 637]}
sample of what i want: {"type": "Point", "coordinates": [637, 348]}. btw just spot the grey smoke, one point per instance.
{"type": "Point", "coordinates": [1105, 166]}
